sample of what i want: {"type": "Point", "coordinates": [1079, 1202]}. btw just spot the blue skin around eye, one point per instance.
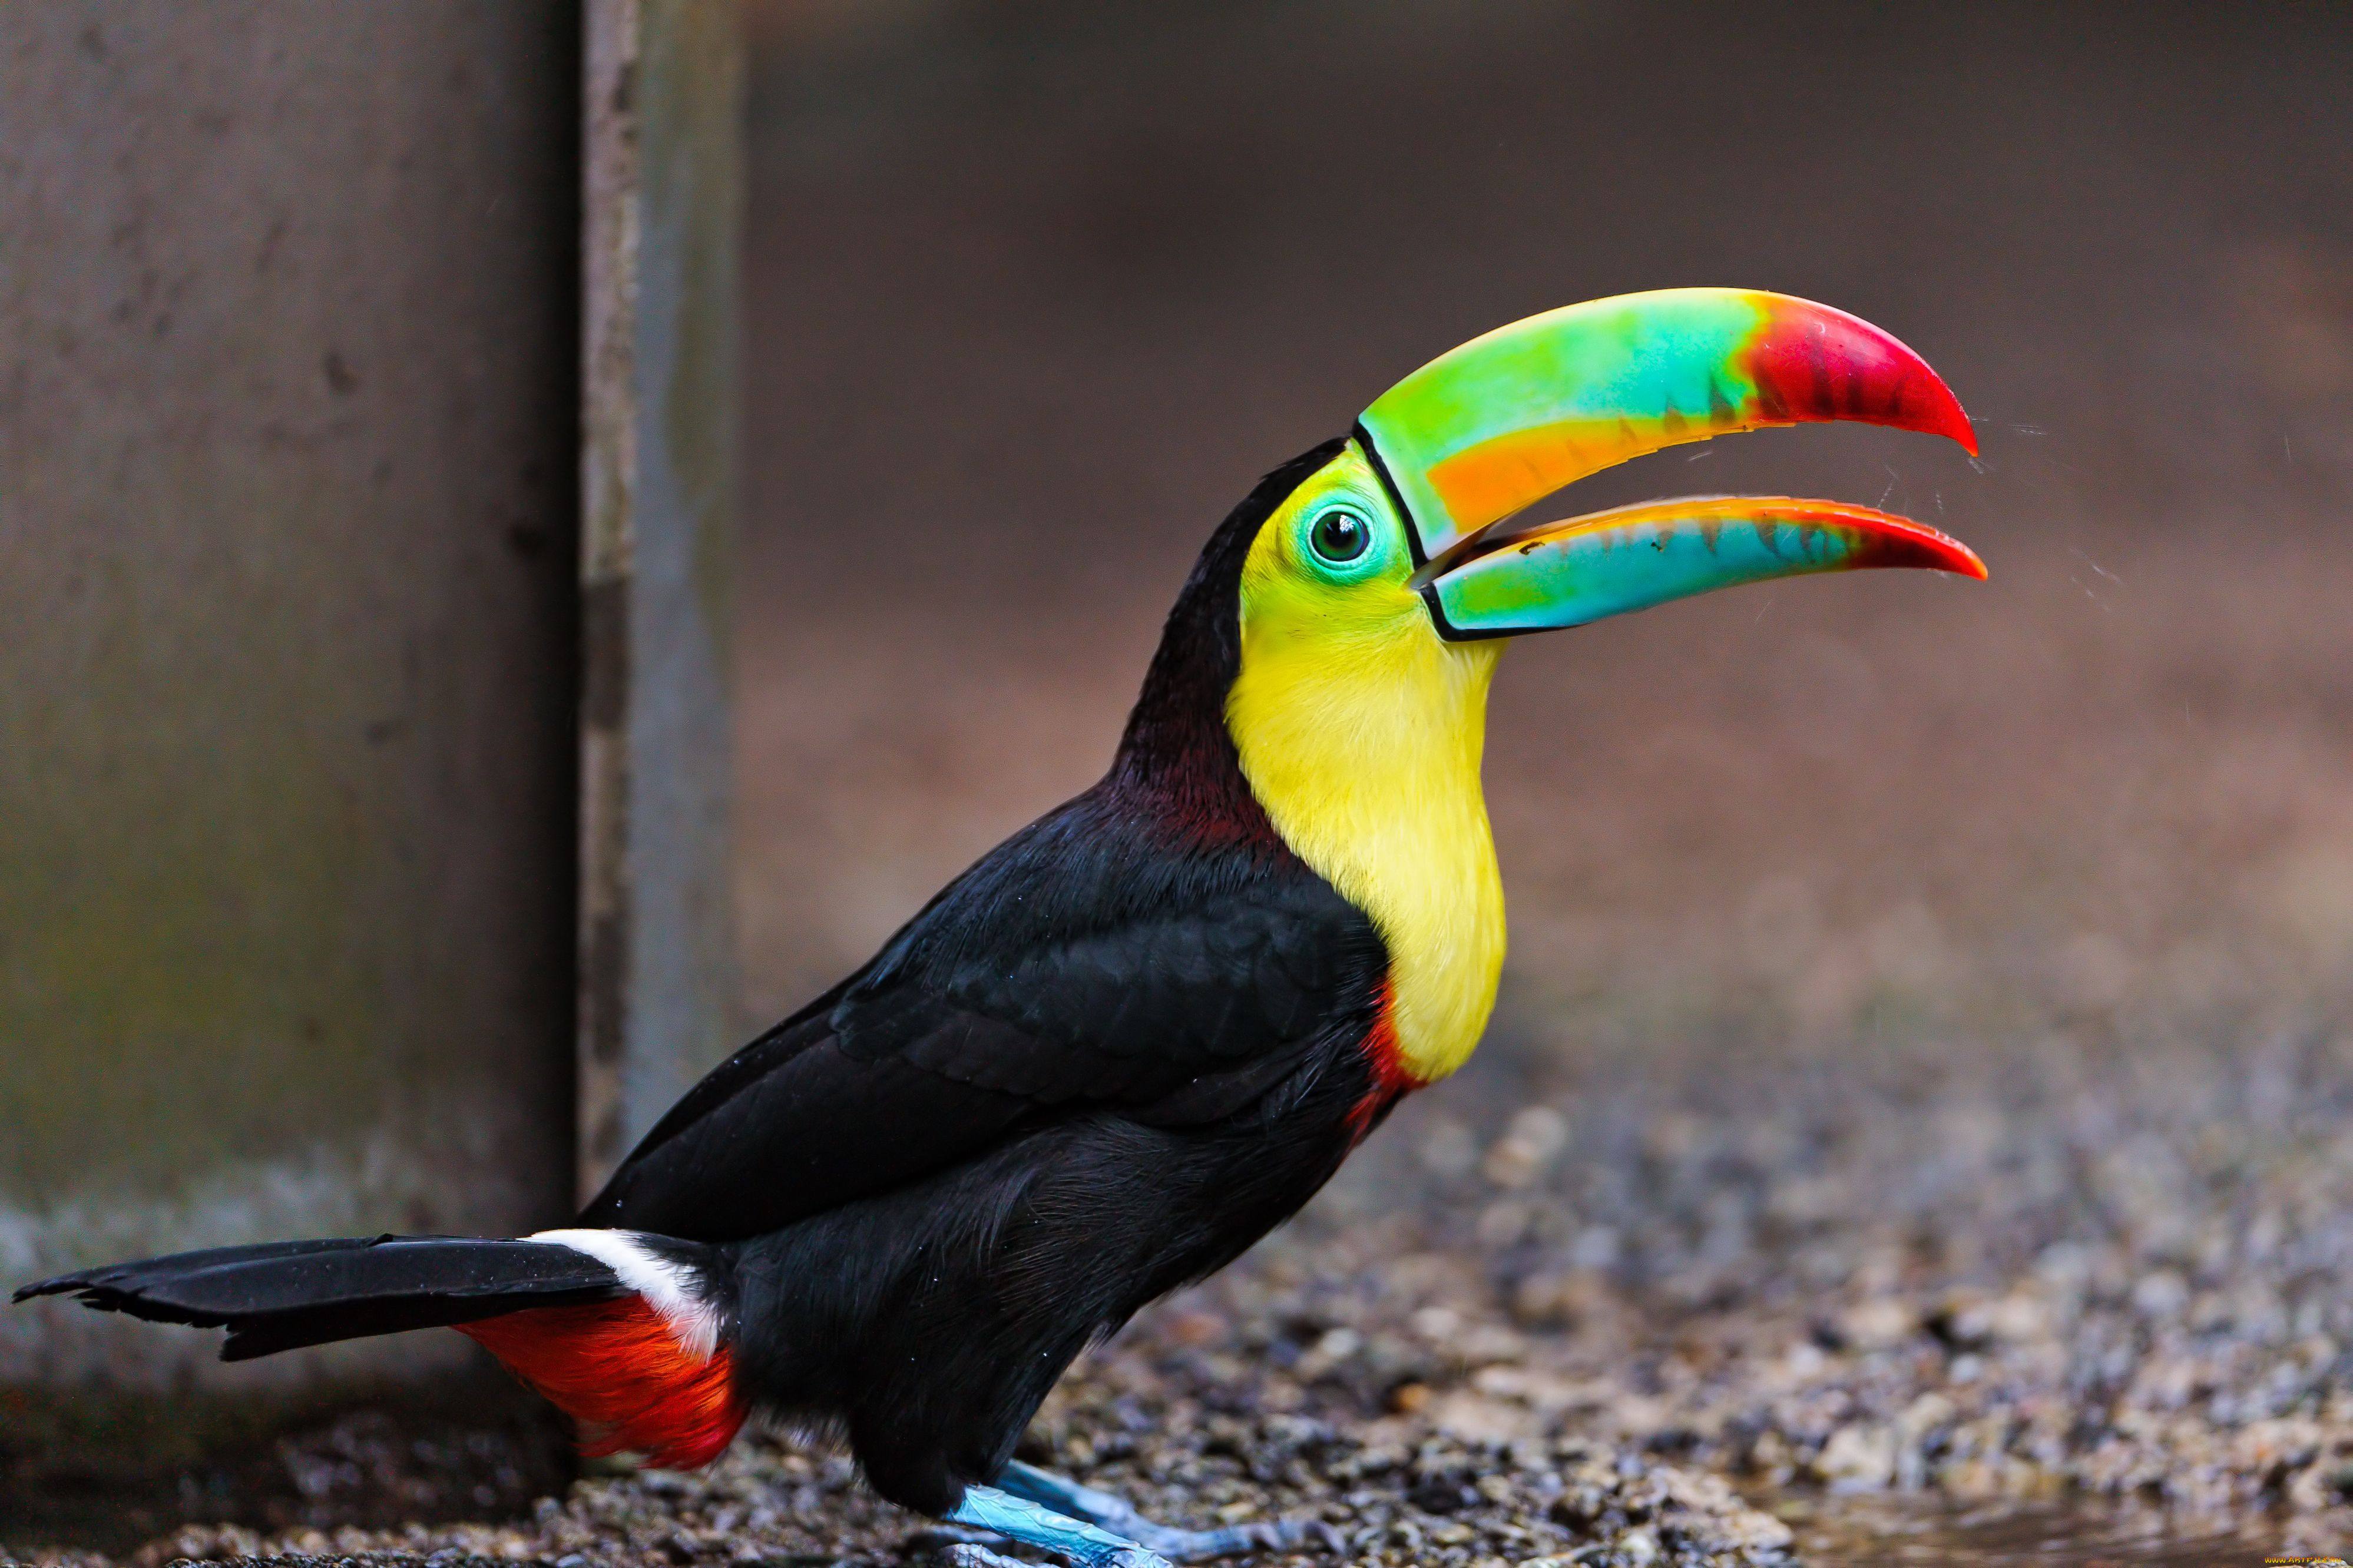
{"type": "Point", "coordinates": [1339, 535]}
{"type": "Point", "coordinates": [1382, 544]}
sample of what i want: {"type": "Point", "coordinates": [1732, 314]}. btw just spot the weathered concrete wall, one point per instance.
{"type": "Point", "coordinates": [664, 128]}
{"type": "Point", "coordinates": [288, 348]}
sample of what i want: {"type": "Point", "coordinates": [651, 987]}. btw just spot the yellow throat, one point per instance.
{"type": "Point", "coordinates": [1360, 730]}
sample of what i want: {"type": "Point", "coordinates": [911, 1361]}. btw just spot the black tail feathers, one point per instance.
{"type": "Point", "coordinates": [287, 1294]}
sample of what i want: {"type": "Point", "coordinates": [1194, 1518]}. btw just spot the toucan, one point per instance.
{"type": "Point", "coordinates": [1144, 1029]}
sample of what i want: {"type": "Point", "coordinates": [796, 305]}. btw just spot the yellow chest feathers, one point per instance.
{"type": "Point", "coordinates": [1362, 741]}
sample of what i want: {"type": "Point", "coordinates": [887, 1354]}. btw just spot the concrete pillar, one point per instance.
{"type": "Point", "coordinates": [339, 756]}
{"type": "Point", "coordinates": [664, 91]}
{"type": "Point", "coordinates": [289, 338]}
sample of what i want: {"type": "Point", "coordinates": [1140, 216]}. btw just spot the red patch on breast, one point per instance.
{"type": "Point", "coordinates": [1390, 1080]}
{"type": "Point", "coordinates": [616, 1368]}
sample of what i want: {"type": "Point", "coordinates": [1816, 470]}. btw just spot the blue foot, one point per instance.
{"type": "Point", "coordinates": [964, 1554]}
{"type": "Point", "coordinates": [1115, 1513]}
{"type": "Point", "coordinates": [1033, 1523]}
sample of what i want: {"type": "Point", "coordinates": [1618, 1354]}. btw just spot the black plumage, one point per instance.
{"type": "Point", "coordinates": [1099, 1064]}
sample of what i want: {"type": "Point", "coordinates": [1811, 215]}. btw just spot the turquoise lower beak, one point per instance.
{"type": "Point", "coordinates": [1568, 574]}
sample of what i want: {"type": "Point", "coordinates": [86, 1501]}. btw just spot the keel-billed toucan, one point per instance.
{"type": "Point", "coordinates": [1148, 1027]}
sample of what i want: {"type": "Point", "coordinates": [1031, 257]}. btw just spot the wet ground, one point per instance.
{"type": "Point", "coordinates": [1853, 1533]}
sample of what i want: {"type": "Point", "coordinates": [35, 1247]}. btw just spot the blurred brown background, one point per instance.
{"type": "Point", "coordinates": [1870, 936]}
{"type": "Point", "coordinates": [1036, 291]}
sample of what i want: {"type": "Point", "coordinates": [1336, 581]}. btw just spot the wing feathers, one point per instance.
{"type": "Point", "coordinates": [1081, 968]}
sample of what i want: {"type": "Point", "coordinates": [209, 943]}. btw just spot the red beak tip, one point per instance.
{"type": "Point", "coordinates": [1963, 562]}
{"type": "Point", "coordinates": [1943, 414]}
{"type": "Point", "coordinates": [1822, 364]}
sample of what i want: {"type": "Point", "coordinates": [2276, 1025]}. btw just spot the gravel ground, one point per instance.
{"type": "Point", "coordinates": [1192, 1420]}
{"type": "Point", "coordinates": [2096, 1265]}
{"type": "Point", "coordinates": [1583, 1312]}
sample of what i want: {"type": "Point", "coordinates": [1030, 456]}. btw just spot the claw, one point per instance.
{"type": "Point", "coordinates": [964, 1554]}
{"type": "Point", "coordinates": [1109, 1511]}
{"type": "Point", "coordinates": [1034, 1519]}
{"type": "Point", "coordinates": [970, 1554]}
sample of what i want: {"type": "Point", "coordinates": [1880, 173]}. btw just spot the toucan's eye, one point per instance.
{"type": "Point", "coordinates": [1340, 536]}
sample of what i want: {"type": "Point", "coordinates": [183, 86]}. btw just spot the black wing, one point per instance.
{"type": "Point", "coordinates": [1084, 965]}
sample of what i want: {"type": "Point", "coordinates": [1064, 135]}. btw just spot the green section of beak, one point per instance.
{"type": "Point", "coordinates": [1504, 420]}
{"type": "Point", "coordinates": [1586, 568]}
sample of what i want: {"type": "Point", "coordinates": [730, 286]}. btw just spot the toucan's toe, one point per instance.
{"type": "Point", "coordinates": [968, 1555]}
{"type": "Point", "coordinates": [1238, 1540]}
{"type": "Point", "coordinates": [1109, 1512]}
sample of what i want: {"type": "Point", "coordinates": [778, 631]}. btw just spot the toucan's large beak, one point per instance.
{"type": "Point", "coordinates": [1566, 573]}
{"type": "Point", "coordinates": [1480, 433]}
